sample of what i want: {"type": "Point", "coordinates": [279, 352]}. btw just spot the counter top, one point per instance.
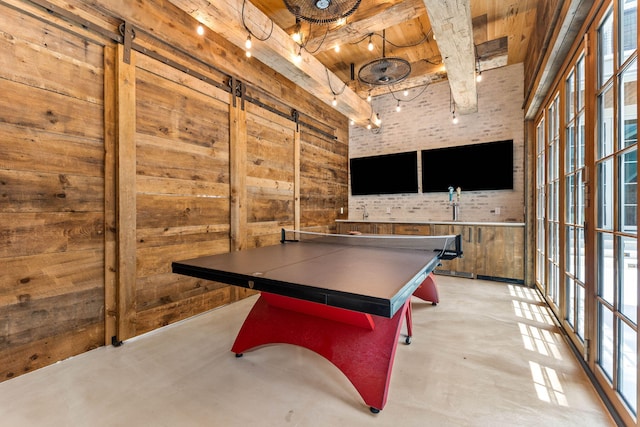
{"type": "Point", "coordinates": [413, 221]}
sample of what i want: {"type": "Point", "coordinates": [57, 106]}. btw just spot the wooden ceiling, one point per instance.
{"type": "Point", "coordinates": [440, 39]}
{"type": "Point", "coordinates": [501, 32]}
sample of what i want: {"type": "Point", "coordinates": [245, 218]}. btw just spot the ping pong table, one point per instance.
{"type": "Point", "coordinates": [343, 297]}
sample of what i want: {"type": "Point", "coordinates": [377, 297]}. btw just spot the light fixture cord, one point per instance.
{"type": "Point", "coordinates": [330, 87]}
{"type": "Point", "coordinates": [424, 87]}
{"type": "Point", "coordinates": [250, 32]}
{"type": "Point", "coordinates": [304, 45]}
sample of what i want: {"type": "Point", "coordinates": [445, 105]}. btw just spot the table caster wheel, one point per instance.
{"type": "Point", "coordinates": [434, 303]}
{"type": "Point", "coordinates": [374, 410]}
{"type": "Point", "coordinates": [407, 340]}
{"type": "Point", "coordinates": [238, 354]}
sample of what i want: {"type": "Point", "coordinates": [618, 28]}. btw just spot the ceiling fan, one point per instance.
{"type": "Point", "coordinates": [384, 71]}
{"type": "Point", "coordinates": [322, 11]}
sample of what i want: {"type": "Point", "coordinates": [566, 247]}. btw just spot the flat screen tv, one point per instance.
{"type": "Point", "coordinates": [476, 167]}
{"type": "Point", "coordinates": [387, 174]}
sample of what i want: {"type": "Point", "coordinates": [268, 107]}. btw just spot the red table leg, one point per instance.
{"type": "Point", "coordinates": [363, 349]}
{"type": "Point", "coordinates": [427, 290]}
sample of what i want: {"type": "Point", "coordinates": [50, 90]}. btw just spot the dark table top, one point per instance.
{"type": "Point", "coordinates": [366, 279]}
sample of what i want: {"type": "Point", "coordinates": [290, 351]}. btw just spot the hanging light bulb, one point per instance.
{"type": "Point", "coordinates": [378, 120]}
{"type": "Point", "coordinates": [369, 125]}
{"type": "Point", "coordinates": [297, 34]}
{"type": "Point", "coordinates": [200, 30]}
{"type": "Point", "coordinates": [370, 45]}
{"type": "Point", "coordinates": [335, 101]}
{"type": "Point", "coordinates": [248, 53]}
{"type": "Point", "coordinates": [369, 97]}
{"type": "Point", "coordinates": [398, 106]}
{"type": "Point", "coordinates": [455, 119]}
{"type": "Point", "coordinates": [298, 58]}
{"type": "Point", "coordinates": [337, 48]}
{"type": "Point", "coordinates": [406, 92]}
{"type": "Point", "coordinates": [479, 77]}
{"type": "Point", "coordinates": [352, 122]}
{"type": "Point", "coordinates": [247, 43]}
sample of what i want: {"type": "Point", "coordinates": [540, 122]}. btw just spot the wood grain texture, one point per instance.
{"type": "Point", "coordinates": [52, 209]}
{"type": "Point", "coordinates": [111, 171]}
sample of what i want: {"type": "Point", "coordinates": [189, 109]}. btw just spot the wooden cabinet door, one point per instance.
{"type": "Point", "coordinates": [412, 229]}
{"type": "Point", "coordinates": [382, 228]}
{"type": "Point", "coordinates": [466, 264]}
{"type": "Point", "coordinates": [502, 252]}
{"type": "Point", "coordinates": [462, 266]}
{"type": "Point", "coordinates": [362, 227]}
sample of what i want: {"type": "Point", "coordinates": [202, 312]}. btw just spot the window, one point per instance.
{"type": "Point", "coordinates": [616, 206]}
{"type": "Point", "coordinates": [587, 202]}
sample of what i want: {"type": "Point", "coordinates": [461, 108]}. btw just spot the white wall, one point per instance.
{"type": "Point", "coordinates": [425, 123]}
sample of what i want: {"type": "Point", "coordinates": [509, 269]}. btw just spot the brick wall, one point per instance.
{"type": "Point", "coordinates": [425, 123]}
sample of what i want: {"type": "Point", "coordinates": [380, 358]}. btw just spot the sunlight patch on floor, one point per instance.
{"type": "Point", "coordinates": [535, 312]}
{"type": "Point", "coordinates": [524, 293]}
{"type": "Point", "coordinates": [540, 340]}
{"type": "Point", "coordinates": [547, 384]}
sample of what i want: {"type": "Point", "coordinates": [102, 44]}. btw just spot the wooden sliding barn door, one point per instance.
{"type": "Point", "coordinates": [52, 181]}
{"type": "Point", "coordinates": [200, 171]}
{"type": "Point", "coordinates": [271, 175]}
{"type": "Point", "coordinates": [173, 192]}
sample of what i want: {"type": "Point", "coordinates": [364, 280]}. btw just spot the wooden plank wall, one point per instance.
{"type": "Point", "coordinates": [51, 194]}
{"type": "Point", "coordinates": [270, 176]}
{"type": "Point", "coordinates": [109, 171]}
{"type": "Point", "coordinates": [182, 190]}
{"type": "Point", "coordinates": [324, 175]}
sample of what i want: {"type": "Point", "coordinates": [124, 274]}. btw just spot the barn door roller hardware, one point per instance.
{"type": "Point", "coordinates": [128, 34]}
{"type": "Point", "coordinates": [238, 90]}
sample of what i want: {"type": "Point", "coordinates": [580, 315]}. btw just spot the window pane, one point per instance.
{"type": "Point", "coordinates": [556, 252]}
{"type": "Point", "coordinates": [580, 142]}
{"type": "Point", "coordinates": [628, 365]}
{"type": "Point", "coordinates": [571, 301]}
{"type": "Point", "coordinates": [605, 54]}
{"type": "Point", "coordinates": [629, 30]}
{"type": "Point", "coordinates": [540, 137]}
{"type": "Point", "coordinates": [570, 151]}
{"type": "Point", "coordinates": [570, 211]}
{"type": "Point", "coordinates": [580, 311]}
{"type": "Point", "coordinates": [605, 340]}
{"type": "Point", "coordinates": [604, 205]}
{"type": "Point", "coordinates": [605, 123]}
{"type": "Point", "coordinates": [579, 199]}
{"type": "Point", "coordinates": [571, 254]}
{"type": "Point", "coordinates": [605, 266]}
{"type": "Point", "coordinates": [580, 274]}
{"type": "Point", "coordinates": [628, 107]}
{"type": "Point", "coordinates": [580, 77]}
{"type": "Point", "coordinates": [629, 277]}
{"type": "Point", "coordinates": [627, 199]}
{"type": "Point", "coordinates": [570, 96]}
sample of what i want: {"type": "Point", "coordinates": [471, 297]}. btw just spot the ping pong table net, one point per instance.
{"type": "Point", "coordinates": [448, 246]}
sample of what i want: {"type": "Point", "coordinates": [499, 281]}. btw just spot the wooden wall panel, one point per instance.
{"type": "Point", "coordinates": [52, 205]}
{"type": "Point", "coordinates": [270, 176]}
{"type": "Point", "coordinates": [110, 171]}
{"type": "Point", "coordinates": [323, 181]}
{"type": "Point", "coordinates": [182, 184]}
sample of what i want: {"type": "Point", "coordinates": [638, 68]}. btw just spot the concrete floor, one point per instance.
{"type": "Point", "coordinates": [487, 355]}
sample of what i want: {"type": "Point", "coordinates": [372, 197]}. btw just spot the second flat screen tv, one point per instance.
{"type": "Point", "coordinates": [487, 166]}
{"type": "Point", "coordinates": [387, 174]}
